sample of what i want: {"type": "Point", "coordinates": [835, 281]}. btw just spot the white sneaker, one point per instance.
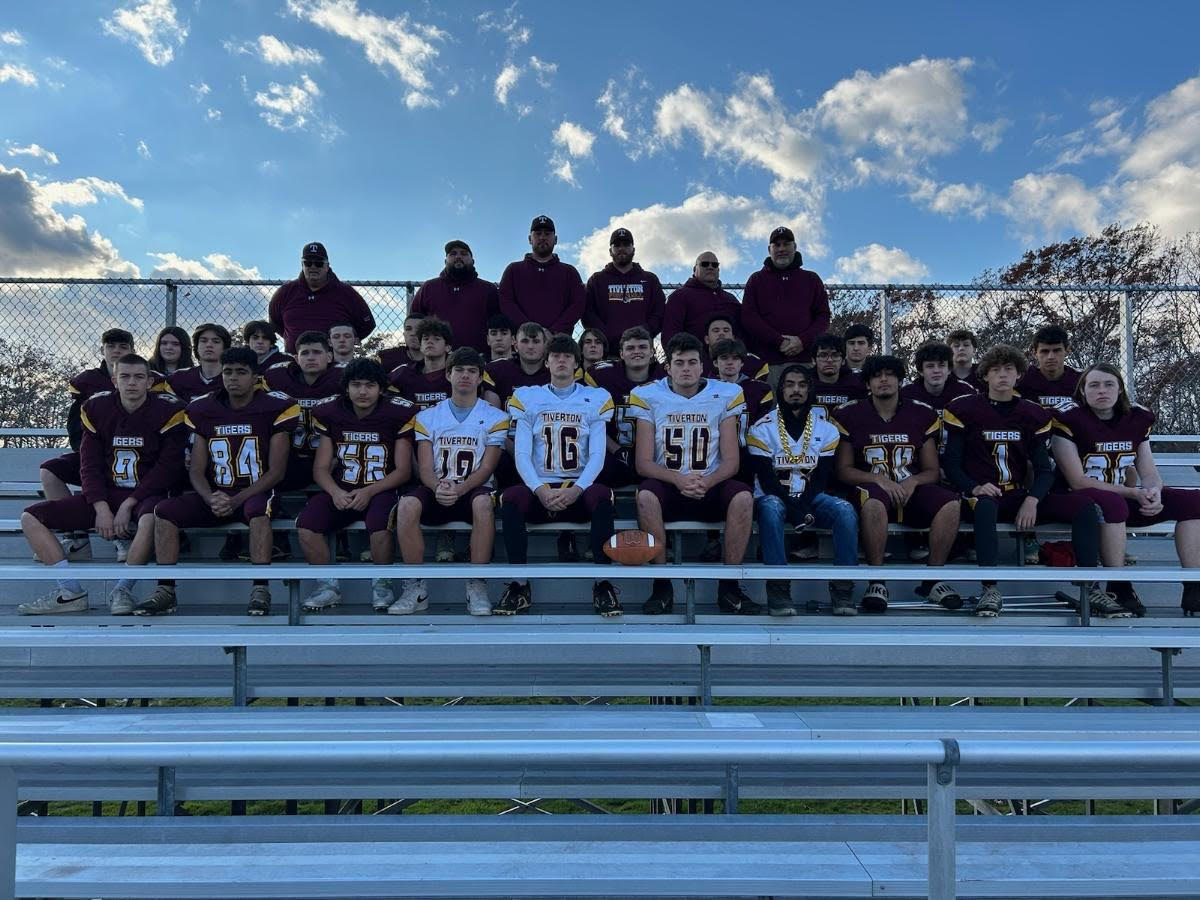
{"type": "Point", "coordinates": [478, 603]}
{"type": "Point", "coordinates": [54, 602]}
{"type": "Point", "coordinates": [445, 547]}
{"type": "Point", "coordinates": [120, 602]}
{"type": "Point", "coordinates": [382, 595]}
{"type": "Point", "coordinates": [413, 598]}
{"type": "Point", "coordinates": [76, 549]}
{"type": "Point", "coordinates": [326, 595]}
{"type": "Point", "coordinates": [122, 547]}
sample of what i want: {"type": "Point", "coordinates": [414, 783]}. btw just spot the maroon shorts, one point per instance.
{"type": "Point", "coordinates": [1066, 507]}
{"type": "Point", "coordinates": [65, 468]}
{"type": "Point", "coordinates": [321, 516]}
{"type": "Point", "coordinates": [712, 507]}
{"type": "Point", "coordinates": [533, 512]}
{"type": "Point", "coordinates": [1009, 503]}
{"type": "Point", "coordinates": [75, 513]}
{"type": "Point", "coordinates": [190, 511]}
{"type": "Point", "coordinates": [925, 503]}
{"type": "Point", "coordinates": [617, 474]}
{"type": "Point", "coordinates": [433, 513]}
{"type": "Point", "coordinates": [1179, 505]}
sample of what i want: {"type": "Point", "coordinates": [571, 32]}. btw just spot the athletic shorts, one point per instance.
{"type": "Point", "coordinates": [433, 513]}
{"type": "Point", "coordinates": [65, 468]}
{"type": "Point", "coordinates": [925, 503]}
{"type": "Point", "coordinates": [533, 512]}
{"type": "Point", "coordinates": [1065, 507]}
{"type": "Point", "coordinates": [712, 507]}
{"type": "Point", "coordinates": [190, 511]}
{"type": "Point", "coordinates": [75, 513]}
{"type": "Point", "coordinates": [321, 516]}
{"type": "Point", "coordinates": [1179, 505]}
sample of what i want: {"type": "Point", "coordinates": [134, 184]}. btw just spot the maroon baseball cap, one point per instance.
{"type": "Point", "coordinates": [621, 236]}
{"type": "Point", "coordinates": [314, 250]}
{"type": "Point", "coordinates": [542, 223]}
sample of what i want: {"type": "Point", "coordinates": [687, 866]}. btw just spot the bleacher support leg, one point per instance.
{"type": "Point", "coordinates": [239, 675]}
{"type": "Point", "coordinates": [166, 791]}
{"type": "Point", "coordinates": [1085, 611]}
{"type": "Point", "coordinates": [689, 594]}
{"type": "Point", "coordinates": [1168, 674]}
{"type": "Point", "coordinates": [705, 675]}
{"type": "Point", "coordinates": [731, 790]}
{"type": "Point", "coordinates": [8, 833]}
{"type": "Point", "coordinates": [940, 823]}
{"type": "Point", "coordinates": [293, 586]}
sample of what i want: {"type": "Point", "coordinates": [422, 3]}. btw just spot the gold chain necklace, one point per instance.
{"type": "Point", "coordinates": [794, 459]}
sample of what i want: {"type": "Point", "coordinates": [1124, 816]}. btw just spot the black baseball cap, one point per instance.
{"type": "Point", "coordinates": [542, 223]}
{"type": "Point", "coordinates": [456, 245]}
{"type": "Point", "coordinates": [314, 250]}
{"type": "Point", "coordinates": [621, 236]}
{"type": "Point", "coordinates": [782, 233]}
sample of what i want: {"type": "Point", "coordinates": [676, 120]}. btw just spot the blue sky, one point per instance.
{"type": "Point", "coordinates": [906, 142]}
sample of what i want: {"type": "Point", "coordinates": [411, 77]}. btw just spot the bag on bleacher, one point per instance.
{"type": "Point", "coordinates": [1057, 553]}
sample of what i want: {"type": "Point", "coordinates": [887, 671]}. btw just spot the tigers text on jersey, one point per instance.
{"type": "Point", "coordinates": [458, 447]}
{"type": "Point", "coordinates": [1106, 448]}
{"type": "Point", "coordinates": [239, 440]}
{"type": "Point", "coordinates": [414, 384]}
{"type": "Point", "coordinates": [997, 447]}
{"type": "Point", "coordinates": [561, 427]}
{"type": "Point", "coordinates": [613, 378]}
{"type": "Point", "coordinates": [363, 447]}
{"type": "Point", "coordinates": [287, 378]}
{"type": "Point", "coordinates": [1035, 386]}
{"type": "Point", "coordinates": [794, 465]}
{"type": "Point", "coordinates": [828, 397]}
{"type": "Point", "coordinates": [687, 429]}
{"type": "Point", "coordinates": [892, 447]}
{"type": "Point", "coordinates": [140, 450]}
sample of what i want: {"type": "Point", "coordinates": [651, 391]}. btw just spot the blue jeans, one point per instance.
{"type": "Point", "coordinates": [829, 512]}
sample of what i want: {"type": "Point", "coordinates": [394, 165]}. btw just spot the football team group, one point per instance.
{"type": "Point", "coordinates": [754, 413]}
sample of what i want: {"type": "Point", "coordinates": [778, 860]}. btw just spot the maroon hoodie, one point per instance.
{"type": "Point", "coordinates": [784, 301]}
{"type": "Point", "coordinates": [690, 307]}
{"type": "Point", "coordinates": [549, 293]}
{"type": "Point", "coordinates": [295, 309]}
{"type": "Point", "coordinates": [465, 303]}
{"type": "Point", "coordinates": [617, 301]}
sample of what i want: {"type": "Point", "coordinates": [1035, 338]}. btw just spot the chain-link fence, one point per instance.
{"type": "Point", "coordinates": [51, 328]}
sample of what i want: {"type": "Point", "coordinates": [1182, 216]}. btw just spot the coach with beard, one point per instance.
{"type": "Point", "coordinates": [460, 297]}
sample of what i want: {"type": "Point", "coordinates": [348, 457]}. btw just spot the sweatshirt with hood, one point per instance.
{"type": "Point", "coordinates": [783, 301]}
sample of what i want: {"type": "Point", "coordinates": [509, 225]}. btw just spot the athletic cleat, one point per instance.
{"type": "Point", "coordinates": [841, 595]}
{"type": "Point", "coordinates": [779, 599]}
{"type": "Point", "coordinates": [161, 603]}
{"type": "Point", "coordinates": [1191, 599]}
{"type": "Point", "coordinates": [413, 598]}
{"type": "Point", "coordinates": [875, 600]}
{"type": "Point", "coordinates": [478, 603]}
{"type": "Point", "coordinates": [77, 549]}
{"type": "Point", "coordinates": [516, 598]}
{"type": "Point", "coordinates": [661, 600]}
{"type": "Point", "coordinates": [326, 595]}
{"type": "Point", "coordinates": [121, 601]}
{"type": "Point", "coordinates": [1030, 549]}
{"type": "Point", "coordinates": [567, 551]}
{"type": "Point", "coordinates": [991, 601]}
{"type": "Point", "coordinates": [445, 547]}
{"type": "Point", "coordinates": [382, 595]}
{"type": "Point", "coordinates": [260, 601]}
{"type": "Point", "coordinates": [940, 593]}
{"type": "Point", "coordinates": [232, 547]}
{"type": "Point", "coordinates": [53, 603]}
{"type": "Point", "coordinates": [732, 599]}
{"type": "Point", "coordinates": [1125, 595]}
{"type": "Point", "coordinates": [606, 600]}
{"type": "Point", "coordinates": [1103, 604]}
{"type": "Point", "coordinates": [122, 547]}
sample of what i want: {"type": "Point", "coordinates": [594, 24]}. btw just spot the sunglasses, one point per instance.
{"type": "Point", "coordinates": [706, 264]}
{"type": "Point", "coordinates": [313, 263]}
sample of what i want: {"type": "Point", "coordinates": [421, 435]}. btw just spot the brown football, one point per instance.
{"type": "Point", "coordinates": [631, 548]}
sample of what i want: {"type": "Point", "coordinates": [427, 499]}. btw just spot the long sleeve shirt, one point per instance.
{"type": "Point", "coordinates": [616, 301]}
{"type": "Point", "coordinates": [550, 293]}
{"type": "Point", "coordinates": [296, 308]}
{"type": "Point", "coordinates": [784, 301]}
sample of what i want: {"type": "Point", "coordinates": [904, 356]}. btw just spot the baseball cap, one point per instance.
{"type": "Point", "coordinates": [456, 245]}
{"type": "Point", "coordinates": [542, 223]}
{"type": "Point", "coordinates": [621, 236]}
{"type": "Point", "coordinates": [782, 233]}
{"type": "Point", "coordinates": [314, 250]}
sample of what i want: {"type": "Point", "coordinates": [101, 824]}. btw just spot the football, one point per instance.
{"type": "Point", "coordinates": [631, 548]}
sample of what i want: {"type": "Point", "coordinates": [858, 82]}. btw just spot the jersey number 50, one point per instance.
{"type": "Point", "coordinates": [682, 444]}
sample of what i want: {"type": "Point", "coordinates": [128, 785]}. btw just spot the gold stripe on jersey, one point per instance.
{"type": "Point", "coordinates": [418, 427]}
{"type": "Point", "coordinates": [1045, 428]}
{"type": "Point", "coordinates": [607, 407]}
{"type": "Point", "coordinates": [951, 419]}
{"type": "Point", "coordinates": [160, 387]}
{"type": "Point", "coordinates": [87, 423]}
{"type": "Point", "coordinates": [187, 420]}
{"type": "Point", "coordinates": [514, 403]}
{"type": "Point", "coordinates": [502, 425]}
{"type": "Point", "coordinates": [407, 426]}
{"type": "Point", "coordinates": [635, 400]}
{"type": "Point", "coordinates": [317, 424]}
{"type": "Point", "coordinates": [487, 379]}
{"type": "Point", "coordinates": [934, 428]}
{"type": "Point", "coordinates": [177, 419]}
{"type": "Point", "coordinates": [739, 400]}
{"type": "Point", "coordinates": [832, 445]}
{"type": "Point", "coordinates": [589, 380]}
{"type": "Point", "coordinates": [765, 370]}
{"type": "Point", "coordinates": [752, 441]}
{"type": "Point", "coordinates": [292, 412]}
{"type": "Point", "coordinates": [1060, 425]}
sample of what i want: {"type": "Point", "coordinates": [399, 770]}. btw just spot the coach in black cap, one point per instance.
{"type": "Point", "coordinates": [541, 288]}
{"type": "Point", "coordinates": [623, 294]}
{"type": "Point", "coordinates": [316, 300]}
{"type": "Point", "coordinates": [460, 297]}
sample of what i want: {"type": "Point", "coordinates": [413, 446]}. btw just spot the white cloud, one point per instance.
{"type": "Point", "coordinates": [37, 152]}
{"type": "Point", "coordinates": [543, 71]}
{"type": "Point", "coordinates": [511, 74]}
{"type": "Point", "coordinates": [397, 44]}
{"type": "Point", "coordinates": [1172, 131]}
{"type": "Point", "coordinates": [624, 104]}
{"type": "Point", "coordinates": [212, 266]}
{"type": "Point", "coordinates": [877, 264]}
{"type": "Point", "coordinates": [614, 118]}
{"type": "Point", "coordinates": [268, 167]}
{"type": "Point", "coordinates": [950, 200]}
{"type": "Point", "coordinates": [1169, 199]}
{"type": "Point", "coordinates": [212, 115]}
{"type": "Point", "coordinates": [82, 192]}
{"type": "Point", "coordinates": [142, 150]}
{"type": "Point", "coordinates": [1052, 202]}
{"type": "Point", "coordinates": [563, 170]}
{"type": "Point", "coordinates": [289, 107]}
{"type": "Point", "coordinates": [151, 26]}
{"type": "Point", "coordinates": [508, 23]}
{"type": "Point", "coordinates": [575, 139]}
{"type": "Point", "coordinates": [200, 91]}
{"type": "Point", "coordinates": [15, 38]}
{"type": "Point", "coordinates": [19, 74]}
{"type": "Point", "coordinates": [275, 52]}
{"type": "Point", "coordinates": [505, 82]}
{"type": "Point", "coordinates": [990, 134]}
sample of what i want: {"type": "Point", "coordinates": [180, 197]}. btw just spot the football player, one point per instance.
{"type": "Point", "coordinates": [834, 384]}
{"type": "Point", "coordinates": [310, 380]}
{"type": "Point", "coordinates": [860, 343]}
{"type": "Point", "coordinates": [594, 347]}
{"type": "Point", "coordinates": [209, 341]}
{"type": "Point", "coordinates": [500, 330]}
{"type": "Point", "coordinates": [963, 347]}
{"type": "Point", "coordinates": [504, 376]}
{"type": "Point", "coordinates": [637, 366]}
{"type": "Point", "coordinates": [410, 352]}
{"type": "Point", "coordinates": [687, 451]}
{"type": "Point", "coordinates": [423, 382]}
{"type": "Point", "coordinates": [1049, 381]}
{"type": "Point", "coordinates": [342, 340]}
{"type": "Point", "coordinates": [172, 351]}
{"type": "Point", "coordinates": [260, 337]}
{"type": "Point", "coordinates": [932, 384]}
{"type": "Point", "coordinates": [131, 455]}
{"type": "Point", "coordinates": [458, 443]}
{"type": "Point", "coordinates": [889, 453]}
{"type": "Point", "coordinates": [720, 327]}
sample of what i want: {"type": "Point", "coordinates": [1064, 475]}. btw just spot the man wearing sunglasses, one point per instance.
{"type": "Point", "coordinates": [691, 307]}
{"type": "Point", "coordinates": [316, 300]}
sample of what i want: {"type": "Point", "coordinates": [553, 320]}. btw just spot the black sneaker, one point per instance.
{"type": "Point", "coordinates": [941, 593]}
{"type": "Point", "coordinates": [1127, 597]}
{"type": "Point", "coordinates": [662, 598]}
{"type": "Point", "coordinates": [875, 600]}
{"type": "Point", "coordinates": [731, 599]}
{"type": "Point", "coordinates": [232, 547]}
{"type": "Point", "coordinates": [342, 547]}
{"type": "Point", "coordinates": [260, 601]}
{"type": "Point", "coordinates": [281, 547]}
{"type": "Point", "coordinates": [516, 598]}
{"type": "Point", "coordinates": [161, 603]}
{"type": "Point", "coordinates": [605, 600]}
{"type": "Point", "coordinates": [1191, 599]}
{"type": "Point", "coordinates": [567, 551]}
{"type": "Point", "coordinates": [779, 599]}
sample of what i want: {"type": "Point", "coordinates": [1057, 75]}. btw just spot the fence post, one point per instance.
{"type": "Point", "coordinates": [409, 293]}
{"type": "Point", "coordinates": [885, 322]}
{"type": "Point", "coordinates": [1127, 342]}
{"type": "Point", "coordinates": [172, 303]}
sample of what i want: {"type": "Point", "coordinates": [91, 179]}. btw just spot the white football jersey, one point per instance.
{"type": "Point", "coordinates": [561, 426]}
{"type": "Point", "coordinates": [458, 447]}
{"type": "Point", "coordinates": [687, 429]}
{"type": "Point", "coordinates": [763, 440]}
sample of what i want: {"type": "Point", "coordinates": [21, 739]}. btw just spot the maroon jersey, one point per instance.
{"type": "Point", "coordinates": [286, 378]}
{"type": "Point", "coordinates": [998, 442]}
{"type": "Point", "coordinates": [1035, 386]}
{"type": "Point", "coordinates": [506, 375]}
{"type": "Point", "coordinates": [188, 384]}
{"type": "Point", "coordinates": [752, 367]}
{"type": "Point", "coordinates": [414, 384]}
{"type": "Point", "coordinates": [90, 382]}
{"type": "Point", "coordinates": [972, 381]}
{"type": "Point", "coordinates": [140, 451]}
{"type": "Point", "coordinates": [1106, 449]}
{"type": "Point", "coordinates": [363, 447]}
{"type": "Point", "coordinates": [612, 377]}
{"type": "Point", "coordinates": [274, 358]}
{"type": "Point", "coordinates": [239, 440]}
{"type": "Point", "coordinates": [828, 397]}
{"type": "Point", "coordinates": [759, 402]}
{"type": "Point", "coordinates": [892, 447]}
{"type": "Point", "coordinates": [393, 357]}
{"type": "Point", "coordinates": [915, 390]}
